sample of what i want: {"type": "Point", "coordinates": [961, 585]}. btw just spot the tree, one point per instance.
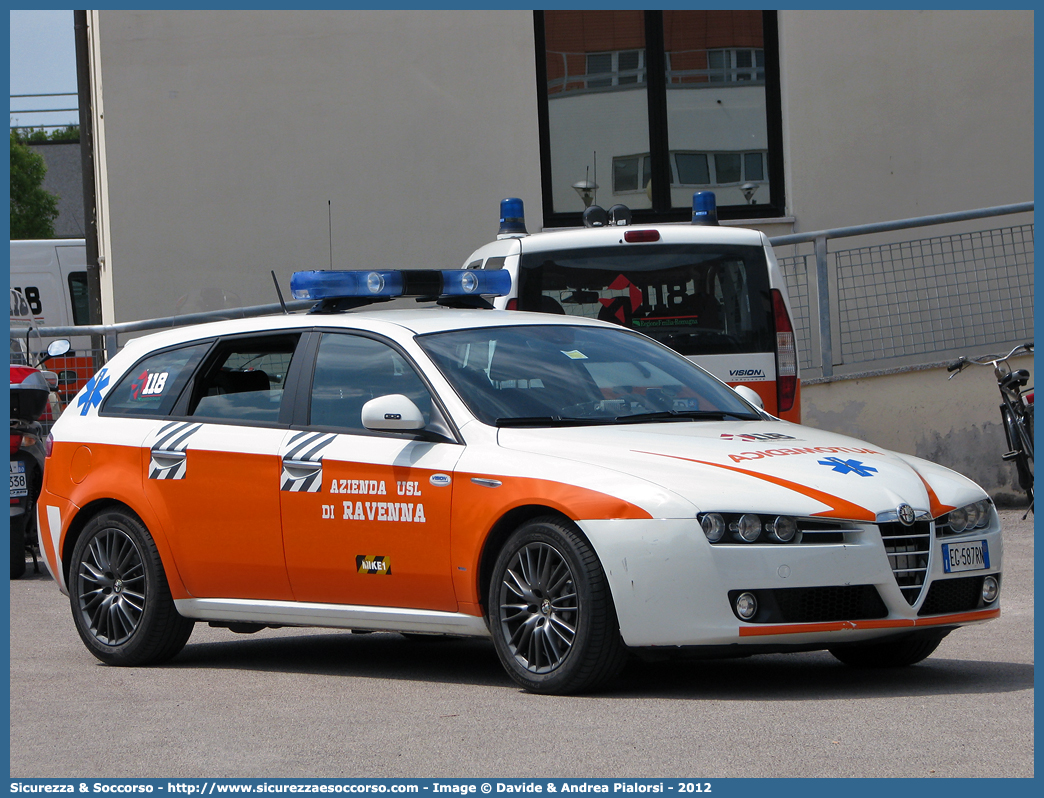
{"type": "Point", "coordinates": [33, 209]}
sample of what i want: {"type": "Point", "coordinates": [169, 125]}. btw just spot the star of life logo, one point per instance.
{"type": "Point", "coordinates": [848, 466]}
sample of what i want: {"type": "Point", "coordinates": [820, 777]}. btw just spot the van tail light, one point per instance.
{"type": "Point", "coordinates": [512, 304]}
{"type": "Point", "coordinates": [786, 354]}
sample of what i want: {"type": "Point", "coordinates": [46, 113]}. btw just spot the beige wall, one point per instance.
{"type": "Point", "coordinates": [955, 423]}
{"type": "Point", "coordinates": [896, 114]}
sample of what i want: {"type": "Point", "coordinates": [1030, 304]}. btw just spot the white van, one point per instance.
{"type": "Point", "coordinates": [49, 289]}
{"type": "Point", "coordinates": [714, 294]}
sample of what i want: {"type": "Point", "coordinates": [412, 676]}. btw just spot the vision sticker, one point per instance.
{"type": "Point", "coordinates": [373, 565]}
{"type": "Point", "coordinates": [573, 354]}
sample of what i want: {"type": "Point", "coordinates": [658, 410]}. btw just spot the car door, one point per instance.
{"type": "Point", "coordinates": [212, 470]}
{"type": "Point", "coordinates": [366, 515]}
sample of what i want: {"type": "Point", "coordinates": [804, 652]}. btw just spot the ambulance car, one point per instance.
{"type": "Point", "coordinates": [569, 488]}
{"type": "Point", "coordinates": [715, 294]}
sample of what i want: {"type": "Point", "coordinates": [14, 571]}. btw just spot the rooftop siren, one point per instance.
{"type": "Point", "coordinates": [704, 208]}
{"type": "Point", "coordinates": [512, 218]}
{"type": "Point", "coordinates": [619, 216]}
{"type": "Point", "coordinates": [595, 216]}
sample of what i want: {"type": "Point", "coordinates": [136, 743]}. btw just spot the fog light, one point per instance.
{"type": "Point", "coordinates": [784, 528]}
{"type": "Point", "coordinates": [958, 520]}
{"type": "Point", "coordinates": [748, 528]}
{"type": "Point", "coordinates": [746, 606]}
{"type": "Point", "coordinates": [713, 527]}
{"type": "Point", "coordinates": [990, 589]}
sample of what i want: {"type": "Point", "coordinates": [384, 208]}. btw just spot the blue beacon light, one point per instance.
{"type": "Point", "coordinates": [512, 218]}
{"type": "Point", "coordinates": [337, 284]}
{"type": "Point", "coordinates": [704, 208]}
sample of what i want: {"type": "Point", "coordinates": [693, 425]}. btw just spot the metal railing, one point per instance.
{"type": "Point", "coordinates": [905, 303]}
{"type": "Point", "coordinates": [869, 308]}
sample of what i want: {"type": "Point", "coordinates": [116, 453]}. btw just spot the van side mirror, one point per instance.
{"type": "Point", "coordinates": [392, 413]}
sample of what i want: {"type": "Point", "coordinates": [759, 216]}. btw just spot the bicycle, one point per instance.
{"type": "Point", "coordinates": [1016, 410]}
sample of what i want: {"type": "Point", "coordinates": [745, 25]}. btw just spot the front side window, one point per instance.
{"type": "Point", "coordinates": [643, 108]}
{"type": "Point", "coordinates": [570, 375]}
{"type": "Point", "coordinates": [698, 299]}
{"type": "Point", "coordinates": [244, 380]}
{"type": "Point", "coordinates": [153, 386]}
{"type": "Point", "coordinates": [350, 370]}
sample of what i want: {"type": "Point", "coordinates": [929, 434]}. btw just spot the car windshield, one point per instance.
{"type": "Point", "coordinates": [548, 375]}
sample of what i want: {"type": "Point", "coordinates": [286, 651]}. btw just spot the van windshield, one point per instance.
{"type": "Point", "coordinates": [698, 299]}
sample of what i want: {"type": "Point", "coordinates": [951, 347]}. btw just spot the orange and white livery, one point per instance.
{"type": "Point", "coordinates": [567, 487]}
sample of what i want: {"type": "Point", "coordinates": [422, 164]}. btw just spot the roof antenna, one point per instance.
{"type": "Point", "coordinates": [279, 293]}
{"type": "Point", "coordinates": [329, 219]}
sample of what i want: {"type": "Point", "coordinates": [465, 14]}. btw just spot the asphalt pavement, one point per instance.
{"type": "Point", "coordinates": [321, 703]}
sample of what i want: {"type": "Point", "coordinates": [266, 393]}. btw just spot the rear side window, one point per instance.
{"type": "Point", "coordinates": [243, 381]}
{"type": "Point", "coordinates": [698, 299]}
{"type": "Point", "coordinates": [152, 387]}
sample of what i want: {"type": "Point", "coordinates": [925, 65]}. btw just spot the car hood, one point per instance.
{"type": "Point", "coordinates": [758, 466]}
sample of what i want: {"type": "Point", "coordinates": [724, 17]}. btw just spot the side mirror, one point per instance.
{"type": "Point", "coordinates": [392, 413]}
{"type": "Point", "coordinates": [750, 395]}
{"type": "Point", "coordinates": [58, 347]}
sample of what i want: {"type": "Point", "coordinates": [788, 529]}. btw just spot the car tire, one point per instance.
{"type": "Point", "coordinates": [18, 523]}
{"type": "Point", "coordinates": [898, 653]}
{"type": "Point", "coordinates": [119, 595]}
{"type": "Point", "coordinates": [551, 612]}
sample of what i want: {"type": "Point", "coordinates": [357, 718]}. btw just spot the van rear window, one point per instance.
{"type": "Point", "coordinates": [697, 299]}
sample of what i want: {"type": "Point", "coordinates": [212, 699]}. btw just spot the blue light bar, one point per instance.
{"type": "Point", "coordinates": [472, 282]}
{"type": "Point", "coordinates": [704, 208]}
{"type": "Point", "coordinates": [512, 217]}
{"type": "Point", "coordinates": [338, 284]}
{"type": "Point", "coordinates": [364, 284]}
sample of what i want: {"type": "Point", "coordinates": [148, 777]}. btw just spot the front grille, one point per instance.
{"type": "Point", "coordinates": [816, 604]}
{"type": "Point", "coordinates": [907, 548]}
{"type": "Point", "coordinates": [953, 595]}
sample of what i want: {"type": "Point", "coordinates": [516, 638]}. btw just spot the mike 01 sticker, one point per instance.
{"type": "Point", "coordinates": [373, 565]}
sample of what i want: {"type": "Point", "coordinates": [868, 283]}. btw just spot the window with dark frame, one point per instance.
{"type": "Point", "coordinates": [652, 106]}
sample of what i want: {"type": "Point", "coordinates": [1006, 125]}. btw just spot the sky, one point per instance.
{"type": "Point", "coordinates": [43, 61]}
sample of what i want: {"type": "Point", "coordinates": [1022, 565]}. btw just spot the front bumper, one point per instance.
{"type": "Point", "coordinates": [671, 587]}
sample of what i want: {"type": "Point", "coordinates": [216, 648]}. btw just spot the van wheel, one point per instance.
{"type": "Point", "coordinates": [120, 598]}
{"type": "Point", "coordinates": [551, 612]}
{"type": "Point", "coordinates": [899, 653]}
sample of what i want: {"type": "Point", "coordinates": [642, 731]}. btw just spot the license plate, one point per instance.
{"type": "Point", "coordinates": [974, 555]}
{"type": "Point", "coordinates": [18, 484]}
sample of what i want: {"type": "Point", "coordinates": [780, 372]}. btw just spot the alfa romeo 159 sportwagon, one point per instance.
{"type": "Point", "coordinates": [567, 487]}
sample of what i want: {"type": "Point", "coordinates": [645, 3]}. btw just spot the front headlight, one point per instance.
{"type": "Point", "coordinates": [971, 516]}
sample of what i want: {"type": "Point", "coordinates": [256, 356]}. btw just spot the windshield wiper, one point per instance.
{"type": "Point", "coordinates": [685, 415]}
{"type": "Point", "coordinates": [551, 421]}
